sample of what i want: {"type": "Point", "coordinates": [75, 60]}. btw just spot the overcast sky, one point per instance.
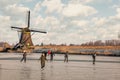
{"type": "Point", "coordinates": [66, 21]}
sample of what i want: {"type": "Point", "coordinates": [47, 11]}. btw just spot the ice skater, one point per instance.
{"type": "Point", "coordinates": [45, 53]}
{"type": "Point", "coordinates": [94, 57]}
{"type": "Point", "coordinates": [42, 59]}
{"type": "Point", "coordinates": [66, 57]}
{"type": "Point", "coordinates": [51, 56]}
{"type": "Point", "coordinates": [24, 56]}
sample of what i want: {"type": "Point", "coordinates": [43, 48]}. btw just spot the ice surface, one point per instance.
{"type": "Point", "coordinates": [79, 67]}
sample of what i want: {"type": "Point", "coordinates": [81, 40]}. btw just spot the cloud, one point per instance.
{"type": "Point", "coordinates": [81, 23]}
{"type": "Point", "coordinates": [80, 1]}
{"type": "Point", "coordinates": [4, 3]}
{"type": "Point", "coordinates": [4, 21]}
{"type": "Point", "coordinates": [102, 1]}
{"type": "Point", "coordinates": [59, 26]}
{"type": "Point", "coordinates": [73, 10]}
{"type": "Point", "coordinates": [28, 0]}
{"type": "Point", "coordinates": [118, 13]}
{"type": "Point", "coordinates": [7, 35]}
{"type": "Point", "coordinates": [16, 9]}
{"type": "Point", "coordinates": [12, 8]}
{"type": "Point", "coordinates": [18, 14]}
{"type": "Point", "coordinates": [106, 27]}
{"type": "Point", "coordinates": [53, 6]}
{"type": "Point", "coordinates": [37, 7]}
{"type": "Point", "coordinates": [99, 22]}
{"type": "Point", "coordinates": [49, 22]}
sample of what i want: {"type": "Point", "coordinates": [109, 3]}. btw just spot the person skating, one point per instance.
{"type": "Point", "coordinates": [66, 57]}
{"type": "Point", "coordinates": [94, 57]}
{"type": "Point", "coordinates": [24, 56]}
{"type": "Point", "coordinates": [45, 53]}
{"type": "Point", "coordinates": [51, 56]}
{"type": "Point", "coordinates": [42, 59]}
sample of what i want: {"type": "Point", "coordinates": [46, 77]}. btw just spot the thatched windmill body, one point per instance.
{"type": "Point", "coordinates": [25, 37]}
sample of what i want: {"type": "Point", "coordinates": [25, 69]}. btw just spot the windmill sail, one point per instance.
{"type": "Point", "coordinates": [28, 19]}
{"type": "Point", "coordinates": [32, 30]}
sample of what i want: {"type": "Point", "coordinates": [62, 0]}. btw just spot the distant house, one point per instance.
{"type": "Point", "coordinates": [4, 45]}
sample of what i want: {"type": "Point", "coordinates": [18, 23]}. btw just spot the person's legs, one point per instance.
{"type": "Point", "coordinates": [42, 65]}
{"type": "Point", "coordinates": [21, 60]}
{"type": "Point", "coordinates": [67, 59]}
{"type": "Point", "coordinates": [64, 59]}
{"type": "Point", "coordinates": [25, 59]}
{"type": "Point", "coordinates": [93, 60]}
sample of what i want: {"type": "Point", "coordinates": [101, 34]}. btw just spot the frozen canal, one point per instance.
{"type": "Point", "coordinates": [78, 68]}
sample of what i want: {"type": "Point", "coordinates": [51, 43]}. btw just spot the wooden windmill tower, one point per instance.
{"type": "Point", "coordinates": [25, 37]}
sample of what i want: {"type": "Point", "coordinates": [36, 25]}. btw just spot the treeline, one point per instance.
{"type": "Point", "coordinates": [101, 43]}
{"type": "Point", "coordinates": [92, 43]}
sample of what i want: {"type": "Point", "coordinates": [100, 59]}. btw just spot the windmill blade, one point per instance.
{"type": "Point", "coordinates": [16, 27]}
{"type": "Point", "coordinates": [28, 19]}
{"type": "Point", "coordinates": [31, 30]}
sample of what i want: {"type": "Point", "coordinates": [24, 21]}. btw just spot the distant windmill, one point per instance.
{"type": "Point", "coordinates": [25, 37]}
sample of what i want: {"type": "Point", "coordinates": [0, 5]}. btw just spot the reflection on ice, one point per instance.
{"type": "Point", "coordinates": [43, 75]}
{"type": "Point", "coordinates": [25, 73]}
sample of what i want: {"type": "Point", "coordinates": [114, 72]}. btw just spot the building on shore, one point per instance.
{"type": "Point", "coordinates": [4, 46]}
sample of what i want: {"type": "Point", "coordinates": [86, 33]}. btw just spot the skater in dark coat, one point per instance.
{"type": "Point", "coordinates": [42, 59]}
{"type": "Point", "coordinates": [45, 53]}
{"type": "Point", "coordinates": [66, 57]}
{"type": "Point", "coordinates": [94, 57]}
{"type": "Point", "coordinates": [24, 57]}
{"type": "Point", "coordinates": [51, 56]}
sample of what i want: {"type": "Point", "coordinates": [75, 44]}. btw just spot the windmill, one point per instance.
{"type": "Point", "coordinates": [25, 37]}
